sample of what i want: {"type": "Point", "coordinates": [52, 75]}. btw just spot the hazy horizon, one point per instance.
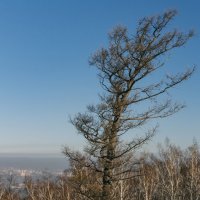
{"type": "Point", "coordinates": [38, 163]}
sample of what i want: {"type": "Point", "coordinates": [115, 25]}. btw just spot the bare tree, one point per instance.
{"type": "Point", "coordinates": [149, 177]}
{"type": "Point", "coordinates": [125, 70]}
{"type": "Point", "coordinates": [170, 176]}
{"type": "Point", "coordinates": [192, 176]}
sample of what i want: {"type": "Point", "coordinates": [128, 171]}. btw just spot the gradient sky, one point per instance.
{"type": "Point", "coordinates": [45, 76]}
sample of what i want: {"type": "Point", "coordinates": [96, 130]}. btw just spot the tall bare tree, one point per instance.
{"type": "Point", "coordinates": [131, 97]}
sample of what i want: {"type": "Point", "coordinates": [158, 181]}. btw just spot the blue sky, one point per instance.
{"type": "Point", "coordinates": [45, 76]}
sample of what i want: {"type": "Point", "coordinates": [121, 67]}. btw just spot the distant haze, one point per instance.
{"type": "Point", "coordinates": [41, 163]}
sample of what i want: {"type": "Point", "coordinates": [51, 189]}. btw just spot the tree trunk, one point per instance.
{"type": "Point", "coordinates": [107, 175]}
{"type": "Point", "coordinates": [108, 168]}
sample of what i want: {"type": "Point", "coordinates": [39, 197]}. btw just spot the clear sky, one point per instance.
{"type": "Point", "coordinates": [45, 76]}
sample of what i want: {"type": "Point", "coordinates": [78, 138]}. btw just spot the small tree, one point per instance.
{"type": "Point", "coordinates": [125, 70]}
